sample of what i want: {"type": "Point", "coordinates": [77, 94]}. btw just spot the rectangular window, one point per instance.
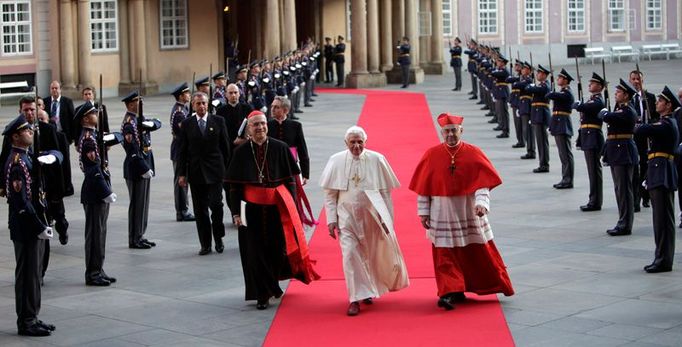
{"type": "Point", "coordinates": [103, 25]}
{"type": "Point", "coordinates": [533, 16]}
{"type": "Point", "coordinates": [653, 14]}
{"type": "Point", "coordinates": [447, 18]}
{"type": "Point", "coordinates": [16, 28]}
{"type": "Point", "coordinates": [576, 16]}
{"type": "Point", "coordinates": [487, 16]}
{"type": "Point", "coordinates": [173, 24]}
{"type": "Point", "coordinates": [616, 15]}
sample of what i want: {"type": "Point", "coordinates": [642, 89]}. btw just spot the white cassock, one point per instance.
{"type": "Point", "coordinates": [358, 198]}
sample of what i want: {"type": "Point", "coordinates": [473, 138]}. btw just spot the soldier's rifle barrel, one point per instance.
{"type": "Point", "coordinates": [532, 67]}
{"type": "Point", "coordinates": [643, 97]}
{"type": "Point", "coordinates": [607, 99]}
{"type": "Point", "coordinates": [551, 71]}
{"type": "Point", "coordinates": [580, 80]}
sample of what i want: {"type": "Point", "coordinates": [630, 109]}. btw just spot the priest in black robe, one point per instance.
{"type": "Point", "coordinates": [272, 244]}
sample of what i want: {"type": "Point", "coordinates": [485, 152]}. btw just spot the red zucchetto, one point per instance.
{"type": "Point", "coordinates": [447, 119]}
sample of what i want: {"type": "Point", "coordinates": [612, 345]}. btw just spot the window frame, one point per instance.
{"type": "Point", "coordinates": [652, 11]}
{"type": "Point", "coordinates": [612, 10]}
{"type": "Point", "coordinates": [28, 23]}
{"type": "Point", "coordinates": [105, 48]}
{"type": "Point", "coordinates": [578, 14]}
{"type": "Point", "coordinates": [491, 15]}
{"type": "Point", "coordinates": [535, 15]}
{"type": "Point", "coordinates": [174, 19]}
{"type": "Point", "coordinates": [447, 17]}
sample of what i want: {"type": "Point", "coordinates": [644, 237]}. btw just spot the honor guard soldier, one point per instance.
{"type": "Point", "coordinates": [456, 63]}
{"type": "Point", "coordinates": [514, 98]}
{"type": "Point", "coordinates": [661, 179]}
{"type": "Point", "coordinates": [561, 128]}
{"type": "Point", "coordinates": [179, 112]}
{"type": "Point", "coordinates": [254, 88]}
{"type": "Point", "coordinates": [219, 84]}
{"type": "Point", "coordinates": [646, 114]}
{"type": "Point", "coordinates": [591, 140]}
{"type": "Point", "coordinates": [204, 85]}
{"type": "Point", "coordinates": [501, 95]}
{"type": "Point", "coordinates": [539, 117]}
{"type": "Point", "coordinates": [96, 195]}
{"type": "Point", "coordinates": [328, 60]}
{"type": "Point", "coordinates": [27, 228]}
{"type": "Point", "coordinates": [404, 60]}
{"type": "Point", "coordinates": [525, 99]}
{"type": "Point", "coordinates": [138, 168]}
{"type": "Point", "coordinates": [340, 60]}
{"type": "Point", "coordinates": [620, 153]}
{"type": "Point", "coordinates": [472, 53]}
{"type": "Point", "coordinates": [241, 81]}
{"type": "Point", "coordinates": [268, 84]}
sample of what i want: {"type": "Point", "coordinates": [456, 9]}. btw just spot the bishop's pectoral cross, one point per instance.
{"type": "Point", "coordinates": [452, 167]}
{"type": "Point", "coordinates": [356, 179]}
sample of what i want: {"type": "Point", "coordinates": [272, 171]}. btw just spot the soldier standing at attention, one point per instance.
{"type": "Point", "coordinates": [404, 60]}
{"type": "Point", "coordinates": [340, 60]}
{"type": "Point", "coordinates": [328, 60]}
{"type": "Point", "coordinates": [456, 63]}
{"type": "Point", "coordinates": [561, 128]}
{"type": "Point", "coordinates": [539, 117]}
{"type": "Point", "coordinates": [179, 112]}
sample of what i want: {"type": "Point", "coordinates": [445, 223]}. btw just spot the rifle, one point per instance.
{"type": "Point", "coordinates": [580, 82]}
{"type": "Point", "coordinates": [551, 71]}
{"type": "Point", "coordinates": [607, 100]}
{"type": "Point", "coordinates": [511, 64]}
{"type": "Point", "coordinates": [210, 87]}
{"type": "Point", "coordinates": [532, 67]}
{"type": "Point", "coordinates": [104, 157]}
{"type": "Point", "coordinates": [140, 114]}
{"type": "Point", "coordinates": [38, 188]}
{"type": "Point", "coordinates": [644, 98]}
{"type": "Point", "coordinates": [194, 76]}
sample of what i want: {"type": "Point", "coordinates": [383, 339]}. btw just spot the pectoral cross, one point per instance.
{"type": "Point", "coordinates": [452, 167]}
{"type": "Point", "coordinates": [260, 178]}
{"type": "Point", "coordinates": [356, 179]}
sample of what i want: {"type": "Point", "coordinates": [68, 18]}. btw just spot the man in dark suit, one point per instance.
{"type": "Point", "coordinates": [646, 114]}
{"type": "Point", "coordinates": [61, 110]}
{"type": "Point", "coordinates": [202, 160]}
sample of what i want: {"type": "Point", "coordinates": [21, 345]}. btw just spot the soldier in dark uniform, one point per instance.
{"type": "Point", "coordinates": [404, 61]}
{"type": "Point", "coordinates": [204, 85]}
{"type": "Point", "coordinates": [661, 180]}
{"type": "Point", "coordinates": [561, 128]}
{"type": "Point", "coordinates": [501, 95]}
{"type": "Point", "coordinates": [328, 60]}
{"type": "Point", "coordinates": [138, 169]}
{"type": "Point", "coordinates": [254, 87]}
{"type": "Point", "coordinates": [96, 195]}
{"type": "Point", "coordinates": [678, 153]}
{"type": "Point", "coordinates": [268, 85]}
{"type": "Point", "coordinates": [472, 52]}
{"type": "Point", "coordinates": [456, 63]}
{"type": "Point", "coordinates": [241, 82]}
{"type": "Point", "coordinates": [539, 117]}
{"type": "Point", "coordinates": [27, 230]}
{"type": "Point", "coordinates": [514, 98]}
{"type": "Point", "coordinates": [591, 140]}
{"type": "Point", "coordinates": [644, 116]}
{"type": "Point", "coordinates": [525, 99]}
{"type": "Point", "coordinates": [179, 112]}
{"type": "Point", "coordinates": [340, 60]}
{"type": "Point", "coordinates": [219, 82]}
{"type": "Point", "coordinates": [620, 153]}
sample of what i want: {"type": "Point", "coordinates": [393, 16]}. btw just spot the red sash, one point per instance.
{"type": "Point", "coordinates": [302, 199]}
{"type": "Point", "coordinates": [297, 248]}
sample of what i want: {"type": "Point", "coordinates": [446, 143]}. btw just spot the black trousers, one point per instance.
{"type": "Point", "coordinates": [96, 216]}
{"type": "Point", "coordinates": [405, 74]}
{"type": "Point", "coordinates": [622, 184]}
{"type": "Point", "coordinates": [639, 175]}
{"type": "Point", "coordinates": [502, 112]}
{"type": "Point", "coordinates": [138, 210]}
{"type": "Point", "coordinates": [340, 75]}
{"type": "Point", "coordinates": [329, 70]}
{"type": "Point", "coordinates": [542, 139]}
{"type": "Point", "coordinates": [179, 194]}
{"type": "Point", "coordinates": [458, 77]}
{"type": "Point", "coordinates": [528, 134]}
{"type": "Point", "coordinates": [563, 144]}
{"type": "Point", "coordinates": [594, 174]}
{"type": "Point", "coordinates": [27, 276]}
{"type": "Point", "coordinates": [663, 211]}
{"type": "Point", "coordinates": [474, 83]}
{"type": "Point", "coordinates": [205, 197]}
{"type": "Point", "coordinates": [518, 126]}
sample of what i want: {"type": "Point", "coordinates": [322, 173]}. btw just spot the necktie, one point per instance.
{"type": "Point", "coordinates": [638, 107]}
{"type": "Point", "coordinates": [202, 126]}
{"type": "Point", "coordinates": [54, 108]}
{"type": "Point", "coordinates": [55, 114]}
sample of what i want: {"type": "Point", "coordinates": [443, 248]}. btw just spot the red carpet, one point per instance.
{"type": "Point", "coordinates": [398, 125]}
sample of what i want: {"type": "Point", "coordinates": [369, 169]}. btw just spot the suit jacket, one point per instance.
{"type": "Point", "coordinates": [66, 113]}
{"type": "Point", "coordinates": [203, 158]}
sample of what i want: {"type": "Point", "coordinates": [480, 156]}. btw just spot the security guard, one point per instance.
{"type": "Point", "coordinates": [27, 230]}
{"type": "Point", "coordinates": [661, 180]}
{"type": "Point", "coordinates": [404, 60]}
{"type": "Point", "coordinates": [179, 112]}
{"type": "Point", "coordinates": [591, 140]}
{"type": "Point", "coordinates": [340, 60]}
{"type": "Point", "coordinates": [456, 63]}
{"type": "Point", "coordinates": [539, 117]}
{"type": "Point", "coordinates": [138, 169]}
{"type": "Point", "coordinates": [620, 153]}
{"type": "Point", "coordinates": [561, 128]}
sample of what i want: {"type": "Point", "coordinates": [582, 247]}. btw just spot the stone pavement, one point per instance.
{"type": "Point", "coordinates": [574, 284]}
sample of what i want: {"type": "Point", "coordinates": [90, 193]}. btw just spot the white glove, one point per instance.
{"type": "Point", "coordinates": [47, 159]}
{"type": "Point", "coordinates": [148, 174]}
{"type": "Point", "coordinates": [46, 234]}
{"type": "Point", "coordinates": [603, 112]}
{"type": "Point", "coordinates": [264, 109]}
{"type": "Point", "coordinates": [111, 198]}
{"type": "Point", "coordinates": [148, 124]}
{"type": "Point", "coordinates": [295, 90]}
{"type": "Point", "coordinates": [108, 137]}
{"type": "Point", "coordinates": [302, 84]}
{"type": "Point", "coordinates": [215, 102]}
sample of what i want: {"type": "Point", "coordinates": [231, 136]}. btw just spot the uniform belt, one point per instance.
{"type": "Point", "coordinates": [593, 126]}
{"type": "Point", "coordinates": [339, 53]}
{"type": "Point", "coordinates": [501, 84]}
{"type": "Point", "coordinates": [660, 155]}
{"type": "Point", "coordinates": [561, 113]}
{"type": "Point", "coordinates": [456, 56]}
{"type": "Point", "coordinates": [619, 137]}
{"type": "Point", "coordinates": [526, 97]}
{"type": "Point", "coordinates": [515, 90]}
{"type": "Point", "coordinates": [540, 104]}
{"type": "Point", "coordinates": [147, 149]}
{"type": "Point", "coordinates": [405, 55]}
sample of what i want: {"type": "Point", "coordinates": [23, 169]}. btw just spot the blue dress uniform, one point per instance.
{"type": "Point", "coordinates": [179, 112]}
{"type": "Point", "coordinates": [472, 68]}
{"type": "Point", "coordinates": [591, 142]}
{"type": "Point", "coordinates": [620, 153]}
{"type": "Point", "coordinates": [456, 64]}
{"type": "Point", "coordinates": [138, 169]}
{"type": "Point", "coordinates": [539, 118]}
{"type": "Point", "coordinates": [340, 60]}
{"type": "Point", "coordinates": [328, 61]}
{"type": "Point", "coordinates": [644, 116]}
{"type": "Point", "coordinates": [26, 229]}
{"type": "Point", "coordinates": [661, 182]}
{"type": "Point", "coordinates": [404, 61]}
{"type": "Point", "coordinates": [219, 92]}
{"type": "Point", "coordinates": [561, 128]}
{"type": "Point", "coordinates": [501, 95]}
{"type": "Point", "coordinates": [525, 99]}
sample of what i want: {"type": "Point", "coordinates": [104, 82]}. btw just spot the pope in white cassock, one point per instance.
{"type": "Point", "coordinates": [357, 184]}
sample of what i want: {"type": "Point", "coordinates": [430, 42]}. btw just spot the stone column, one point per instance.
{"type": "Point", "coordinates": [359, 38]}
{"type": "Point", "coordinates": [411, 29]}
{"type": "Point", "coordinates": [405, 24]}
{"type": "Point", "coordinates": [66, 41]}
{"type": "Point", "coordinates": [84, 44]}
{"type": "Point", "coordinates": [139, 70]}
{"type": "Point", "coordinates": [373, 36]}
{"type": "Point", "coordinates": [289, 34]}
{"type": "Point", "coordinates": [435, 65]}
{"type": "Point", "coordinates": [387, 35]}
{"type": "Point", "coordinates": [271, 38]}
{"type": "Point", "coordinates": [123, 49]}
{"type": "Point", "coordinates": [424, 46]}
